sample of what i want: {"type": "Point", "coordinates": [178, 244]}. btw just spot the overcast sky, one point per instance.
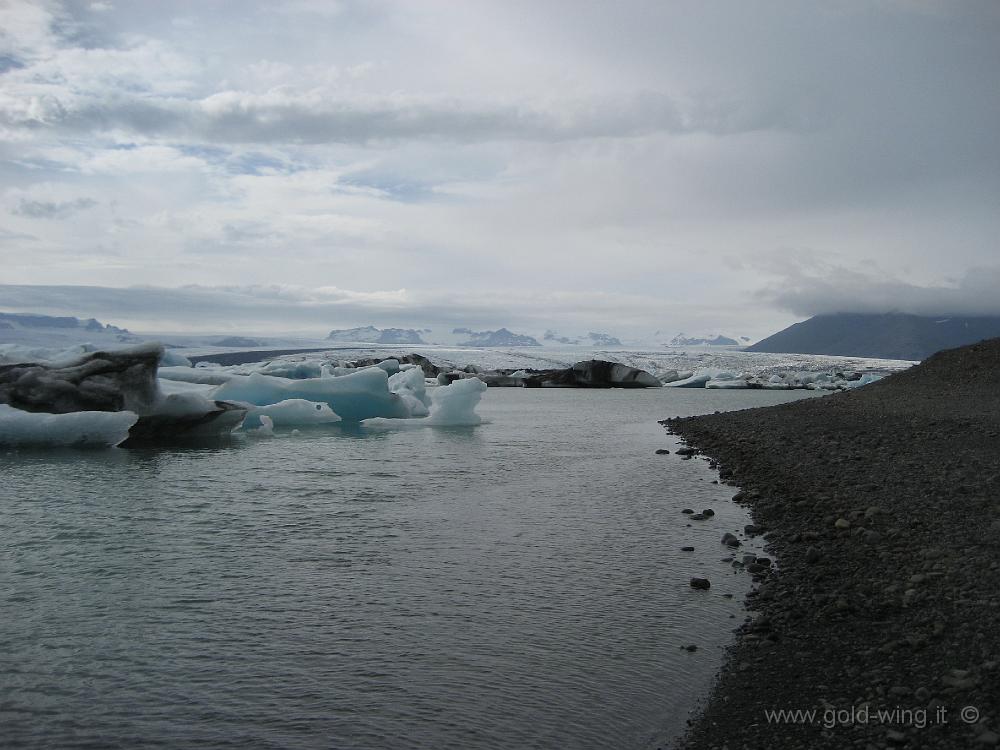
{"type": "Point", "coordinates": [623, 166]}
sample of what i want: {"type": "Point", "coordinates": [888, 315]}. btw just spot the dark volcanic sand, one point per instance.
{"type": "Point", "coordinates": [882, 507]}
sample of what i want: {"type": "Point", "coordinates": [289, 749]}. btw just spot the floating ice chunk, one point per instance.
{"type": "Point", "coordinates": [417, 408]}
{"type": "Point", "coordinates": [292, 411]}
{"type": "Point", "coordinates": [727, 384]}
{"type": "Point", "coordinates": [195, 375]}
{"type": "Point", "coordinates": [451, 406]}
{"type": "Point", "coordinates": [294, 370]}
{"type": "Point", "coordinates": [455, 404]}
{"type": "Point", "coordinates": [868, 377]}
{"type": "Point", "coordinates": [412, 387]}
{"type": "Point", "coordinates": [173, 359]}
{"type": "Point", "coordinates": [182, 386]}
{"type": "Point", "coordinates": [697, 380]}
{"type": "Point", "coordinates": [266, 428]}
{"type": "Point", "coordinates": [360, 395]}
{"type": "Point", "coordinates": [78, 429]}
{"type": "Point", "coordinates": [391, 366]}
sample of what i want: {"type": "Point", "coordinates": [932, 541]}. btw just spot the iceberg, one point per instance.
{"type": "Point", "coordinates": [292, 412]}
{"type": "Point", "coordinates": [868, 377]}
{"type": "Point", "coordinates": [301, 370]}
{"type": "Point", "coordinates": [119, 380]}
{"type": "Point", "coordinates": [455, 404]}
{"type": "Point", "coordinates": [360, 395]}
{"type": "Point", "coordinates": [93, 429]}
{"type": "Point", "coordinates": [173, 359]}
{"type": "Point", "coordinates": [698, 380]}
{"type": "Point", "coordinates": [452, 405]}
{"type": "Point", "coordinates": [202, 375]}
{"type": "Point", "coordinates": [727, 383]}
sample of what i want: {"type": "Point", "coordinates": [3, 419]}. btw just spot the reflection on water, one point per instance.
{"type": "Point", "coordinates": [517, 584]}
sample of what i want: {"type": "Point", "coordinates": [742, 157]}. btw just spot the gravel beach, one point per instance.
{"type": "Point", "coordinates": [881, 506]}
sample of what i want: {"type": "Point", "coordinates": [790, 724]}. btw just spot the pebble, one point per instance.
{"type": "Point", "coordinates": [708, 512]}
{"type": "Point", "coordinates": [687, 549]}
{"type": "Point", "coordinates": [730, 540]}
{"type": "Point", "coordinates": [813, 555]}
{"type": "Point", "coordinates": [842, 523]}
{"type": "Point", "coordinates": [662, 452]}
{"type": "Point", "coordinates": [687, 511]}
{"type": "Point", "coordinates": [701, 583]}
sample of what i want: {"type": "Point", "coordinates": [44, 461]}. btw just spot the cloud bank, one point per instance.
{"type": "Point", "coordinates": [633, 164]}
{"type": "Point", "coordinates": [834, 290]}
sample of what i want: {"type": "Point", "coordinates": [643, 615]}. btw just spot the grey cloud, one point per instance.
{"type": "Point", "coordinates": [235, 117]}
{"type": "Point", "coordinates": [834, 289]}
{"type": "Point", "coordinates": [52, 209]}
{"type": "Point", "coordinates": [277, 308]}
{"type": "Point", "coordinates": [7, 235]}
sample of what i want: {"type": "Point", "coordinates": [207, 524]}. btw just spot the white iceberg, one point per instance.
{"type": "Point", "coordinates": [203, 375]}
{"type": "Point", "coordinates": [77, 429]}
{"type": "Point", "coordinates": [451, 406]}
{"type": "Point", "coordinates": [292, 412]}
{"type": "Point", "coordinates": [727, 383]}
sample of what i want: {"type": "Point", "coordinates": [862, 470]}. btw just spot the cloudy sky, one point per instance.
{"type": "Point", "coordinates": [692, 166]}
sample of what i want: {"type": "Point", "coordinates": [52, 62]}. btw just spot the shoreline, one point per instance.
{"type": "Point", "coordinates": [882, 507]}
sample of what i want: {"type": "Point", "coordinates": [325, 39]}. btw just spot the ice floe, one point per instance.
{"type": "Point", "coordinates": [81, 429]}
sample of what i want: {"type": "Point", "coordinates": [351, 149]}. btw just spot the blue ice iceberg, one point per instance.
{"type": "Point", "coordinates": [360, 395]}
{"type": "Point", "coordinates": [77, 429]}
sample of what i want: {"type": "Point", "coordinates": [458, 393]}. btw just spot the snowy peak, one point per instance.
{"type": "Point", "coordinates": [592, 339]}
{"type": "Point", "coordinates": [373, 335]}
{"type": "Point", "coordinates": [501, 337]}
{"type": "Point", "coordinates": [718, 340]}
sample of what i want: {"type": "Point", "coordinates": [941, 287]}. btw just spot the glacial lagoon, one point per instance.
{"type": "Point", "coordinates": [519, 583]}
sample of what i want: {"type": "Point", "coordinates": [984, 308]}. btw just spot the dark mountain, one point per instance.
{"type": "Point", "coordinates": [32, 320]}
{"type": "Point", "coordinates": [603, 339]}
{"type": "Point", "coordinates": [373, 335]}
{"type": "Point", "coordinates": [888, 336]}
{"type": "Point", "coordinates": [502, 337]}
{"type": "Point", "coordinates": [681, 340]}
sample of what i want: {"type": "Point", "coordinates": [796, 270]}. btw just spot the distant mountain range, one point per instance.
{"type": "Point", "coordinates": [888, 336]}
{"type": "Point", "coordinates": [681, 340]}
{"type": "Point", "coordinates": [593, 338]}
{"type": "Point", "coordinates": [501, 337]}
{"type": "Point", "coordinates": [33, 321]}
{"type": "Point", "coordinates": [373, 335]}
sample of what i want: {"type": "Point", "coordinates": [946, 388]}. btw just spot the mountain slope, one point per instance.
{"type": "Point", "coordinates": [888, 336]}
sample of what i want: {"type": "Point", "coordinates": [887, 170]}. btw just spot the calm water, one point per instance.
{"type": "Point", "coordinates": [518, 584]}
